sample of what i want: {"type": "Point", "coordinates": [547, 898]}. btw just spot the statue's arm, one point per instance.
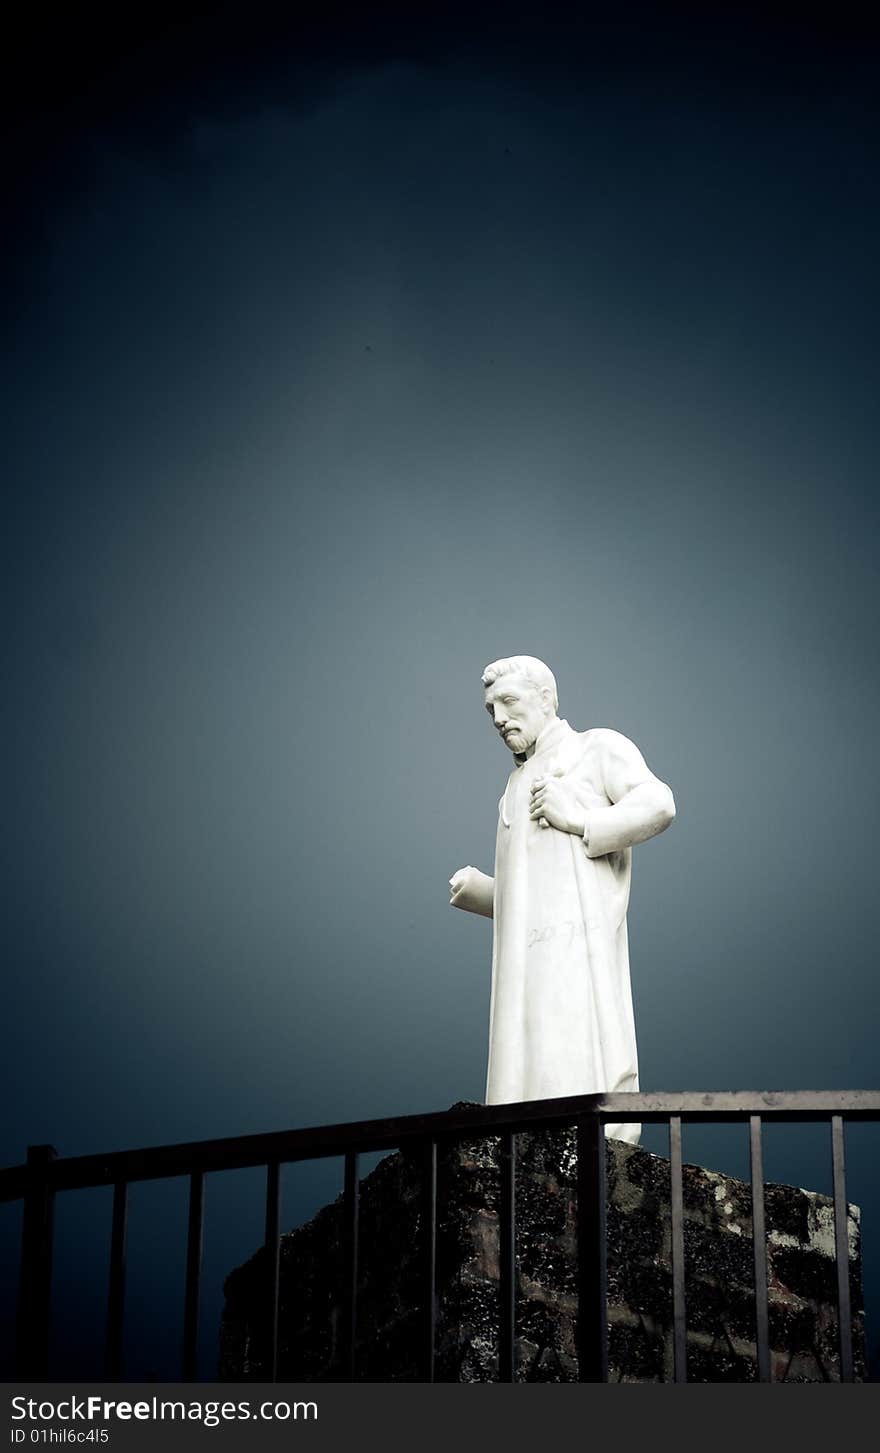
{"type": "Point", "coordinates": [473, 891]}
{"type": "Point", "coordinates": [641, 805]}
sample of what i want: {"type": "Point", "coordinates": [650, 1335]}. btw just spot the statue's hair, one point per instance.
{"type": "Point", "coordinates": [529, 666]}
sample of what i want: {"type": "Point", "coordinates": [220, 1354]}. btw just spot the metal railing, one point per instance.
{"type": "Point", "coordinates": [44, 1175]}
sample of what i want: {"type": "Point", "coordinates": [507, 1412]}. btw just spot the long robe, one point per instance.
{"type": "Point", "coordinates": [561, 1017]}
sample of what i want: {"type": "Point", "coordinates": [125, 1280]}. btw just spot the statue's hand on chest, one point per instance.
{"type": "Point", "coordinates": [553, 802]}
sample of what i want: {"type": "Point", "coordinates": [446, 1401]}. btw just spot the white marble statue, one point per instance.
{"type": "Point", "coordinates": [561, 1016]}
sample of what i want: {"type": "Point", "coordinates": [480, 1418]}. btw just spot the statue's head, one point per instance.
{"type": "Point", "coordinates": [521, 699]}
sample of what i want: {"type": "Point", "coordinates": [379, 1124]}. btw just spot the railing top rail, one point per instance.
{"type": "Point", "coordinates": [239, 1152]}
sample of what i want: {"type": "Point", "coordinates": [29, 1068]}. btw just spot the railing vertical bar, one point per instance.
{"type": "Point", "coordinates": [507, 1259]}
{"type": "Point", "coordinates": [273, 1251]}
{"type": "Point", "coordinates": [679, 1315]}
{"type": "Point", "coordinates": [429, 1257]}
{"type": "Point", "coordinates": [116, 1293]}
{"type": "Point", "coordinates": [194, 1239]}
{"type": "Point", "coordinates": [841, 1240]}
{"type": "Point", "coordinates": [759, 1247]}
{"type": "Point", "coordinates": [351, 1208]}
{"type": "Point", "coordinates": [32, 1345]}
{"type": "Point", "coordinates": [592, 1313]}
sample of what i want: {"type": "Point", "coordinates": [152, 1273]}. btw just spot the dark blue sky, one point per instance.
{"type": "Point", "coordinates": [342, 361]}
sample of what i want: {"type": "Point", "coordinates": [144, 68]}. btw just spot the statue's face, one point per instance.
{"type": "Point", "coordinates": [519, 709]}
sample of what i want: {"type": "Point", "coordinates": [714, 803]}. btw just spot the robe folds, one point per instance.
{"type": "Point", "coordinates": [561, 1014]}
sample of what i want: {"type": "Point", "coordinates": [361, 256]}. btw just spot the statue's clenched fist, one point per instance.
{"type": "Point", "coordinates": [472, 890]}
{"type": "Point", "coordinates": [554, 804]}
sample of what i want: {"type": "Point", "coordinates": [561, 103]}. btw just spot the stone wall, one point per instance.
{"type": "Point", "coordinates": [718, 1268]}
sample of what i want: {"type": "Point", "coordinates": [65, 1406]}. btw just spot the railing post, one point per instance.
{"type": "Point", "coordinates": [116, 1293]}
{"type": "Point", "coordinates": [841, 1248]}
{"type": "Point", "coordinates": [428, 1258]}
{"type": "Point", "coordinates": [350, 1239]}
{"type": "Point", "coordinates": [194, 1238]}
{"type": "Point", "coordinates": [759, 1250]}
{"type": "Point", "coordinates": [592, 1313]}
{"type": "Point", "coordinates": [507, 1260]}
{"type": "Point", "coordinates": [676, 1198]}
{"type": "Point", "coordinates": [273, 1266]}
{"type": "Point", "coordinates": [32, 1349]}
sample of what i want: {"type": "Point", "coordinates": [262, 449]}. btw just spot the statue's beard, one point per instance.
{"type": "Point", "coordinates": [518, 742]}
